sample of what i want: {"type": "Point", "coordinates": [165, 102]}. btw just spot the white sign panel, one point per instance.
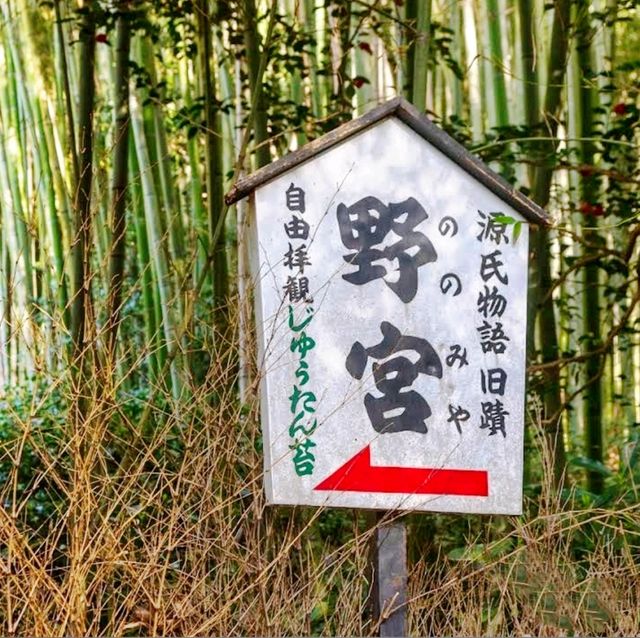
{"type": "Point", "coordinates": [391, 306]}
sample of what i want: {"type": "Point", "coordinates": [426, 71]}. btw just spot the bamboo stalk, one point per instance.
{"type": "Point", "coordinates": [422, 55]}
{"type": "Point", "coordinates": [592, 406]}
{"type": "Point", "coordinates": [20, 290]}
{"type": "Point", "coordinates": [252, 43]}
{"type": "Point", "coordinates": [473, 62]}
{"type": "Point", "coordinates": [162, 159]}
{"type": "Point", "coordinates": [156, 239]}
{"type": "Point", "coordinates": [119, 177]}
{"type": "Point", "coordinates": [498, 114]}
{"type": "Point", "coordinates": [82, 200]}
{"type": "Point", "coordinates": [5, 311]}
{"type": "Point", "coordinates": [408, 37]}
{"type": "Point", "coordinates": [213, 171]}
{"type": "Point", "coordinates": [541, 268]}
{"type": "Point", "coordinates": [199, 222]}
{"type": "Point", "coordinates": [52, 221]}
{"type": "Point", "coordinates": [156, 347]}
{"type": "Point", "coordinates": [310, 24]}
{"type": "Point", "coordinates": [62, 48]}
{"type": "Point", "coordinates": [529, 71]}
{"type": "Point", "coordinates": [456, 26]}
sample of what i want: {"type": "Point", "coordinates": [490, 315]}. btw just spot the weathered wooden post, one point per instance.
{"type": "Point", "coordinates": [390, 271]}
{"type": "Point", "coordinates": [389, 592]}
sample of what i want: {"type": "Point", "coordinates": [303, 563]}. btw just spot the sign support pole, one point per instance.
{"type": "Point", "coordinates": [390, 577]}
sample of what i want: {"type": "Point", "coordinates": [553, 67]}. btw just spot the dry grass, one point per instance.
{"type": "Point", "coordinates": [556, 572]}
{"type": "Point", "coordinates": [537, 587]}
{"type": "Point", "coordinates": [167, 534]}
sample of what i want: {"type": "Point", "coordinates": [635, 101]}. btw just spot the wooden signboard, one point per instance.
{"type": "Point", "coordinates": [390, 271]}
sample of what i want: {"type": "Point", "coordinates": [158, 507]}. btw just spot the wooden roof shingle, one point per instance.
{"type": "Point", "coordinates": [421, 124]}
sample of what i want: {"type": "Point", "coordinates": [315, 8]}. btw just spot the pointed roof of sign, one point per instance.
{"type": "Point", "coordinates": [421, 124]}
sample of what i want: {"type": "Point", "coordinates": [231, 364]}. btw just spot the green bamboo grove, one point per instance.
{"type": "Point", "coordinates": [123, 123]}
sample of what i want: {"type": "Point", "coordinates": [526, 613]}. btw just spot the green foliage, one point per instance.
{"type": "Point", "coordinates": [32, 432]}
{"type": "Point", "coordinates": [173, 480]}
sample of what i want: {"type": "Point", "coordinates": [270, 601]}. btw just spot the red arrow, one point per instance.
{"type": "Point", "coordinates": [358, 475]}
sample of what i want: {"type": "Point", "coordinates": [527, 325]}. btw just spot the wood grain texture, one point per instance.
{"type": "Point", "coordinates": [390, 579]}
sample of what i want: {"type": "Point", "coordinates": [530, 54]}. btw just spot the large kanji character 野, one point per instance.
{"type": "Point", "coordinates": [364, 226]}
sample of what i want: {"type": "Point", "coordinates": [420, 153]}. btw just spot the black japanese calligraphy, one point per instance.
{"type": "Point", "coordinates": [451, 282]}
{"type": "Point", "coordinates": [363, 229]}
{"type": "Point", "coordinates": [492, 337]}
{"type": "Point", "coordinates": [492, 230]}
{"type": "Point", "coordinates": [490, 267]}
{"type": "Point", "coordinates": [297, 289]}
{"type": "Point", "coordinates": [493, 417]}
{"type": "Point", "coordinates": [399, 408]}
{"type": "Point", "coordinates": [448, 226]}
{"type": "Point", "coordinates": [457, 416]}
{"type": "Point", "coordinates": [459, 355]}
{"type": "Point", "coordinates": [297, 258]}
{"type": "Point", "coordinates": [295, 198]}
{"type": "Point", "coordinates": [491, 303]}
{"type": "Point", "coordinates": [494, 381]}
{"type": "Point", "coordinates": [302, 402]}
{"type": "Point", "coordinates": [297, 228]}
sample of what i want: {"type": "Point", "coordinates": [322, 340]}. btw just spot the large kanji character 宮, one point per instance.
{"type": "Point", "coordinates": [363, 229]}
{"type": "Point", "coordinates": [399, 408]}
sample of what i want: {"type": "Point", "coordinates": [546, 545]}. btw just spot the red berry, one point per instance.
{"type": "Point", "coordinates": [586, 170]}
{"type": "Point", "coordinates": [592, 210]}
{"type": "Point", "coordinates": [102, 37]}
{"type": "Point", "coordinates": [620, 108]}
